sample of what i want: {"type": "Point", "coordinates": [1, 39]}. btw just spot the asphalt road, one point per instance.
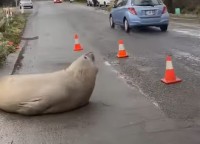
{"type": "Point", "coordinates": [129, 104]}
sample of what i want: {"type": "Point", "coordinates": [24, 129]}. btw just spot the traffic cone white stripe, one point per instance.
{"type": "Point", "coordinates": [76, 41]}
{"type": "Point", "coordinates": [169, 65]}
{"type": "Point", "coordinates": [121, 47]}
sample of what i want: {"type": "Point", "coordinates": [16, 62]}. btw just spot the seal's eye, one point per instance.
{"type": "Point", "coordinates": [85, 57]}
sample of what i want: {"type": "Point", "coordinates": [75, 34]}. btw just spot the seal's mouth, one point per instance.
{"type": "Point", "coordinates": [91, 56]}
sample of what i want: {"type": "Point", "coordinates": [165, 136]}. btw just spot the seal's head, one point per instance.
{"type": "Point", "coordinates": [84, 66]}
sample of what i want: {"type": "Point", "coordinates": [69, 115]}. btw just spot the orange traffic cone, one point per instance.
{"type": "Point", "coordinates": [170, 76]}
{"type": "Point", "coordinates": [122, 52]}
{"type": "Point", "coordinates": [77, 46]}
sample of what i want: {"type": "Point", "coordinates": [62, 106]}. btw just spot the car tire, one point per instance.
{"type": "Point", "coordinates": [164, 28]}
{"type": "Point", "coordinates": [112, 24]}
{"type": "Point", "coordinates": [126, 26]}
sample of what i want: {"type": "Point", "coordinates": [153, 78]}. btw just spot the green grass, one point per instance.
{"type": "Point", "coordinates": [3, 54]}
{"type": "Point", "coordinates": [1, 13]}
{"type": "Point", "coordinates": [11, 36]}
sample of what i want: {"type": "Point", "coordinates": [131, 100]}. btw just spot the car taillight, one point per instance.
{"type": "Point", "coordinates": [164, 10]}
{"type": "Point", "coordinates": [132, 10]}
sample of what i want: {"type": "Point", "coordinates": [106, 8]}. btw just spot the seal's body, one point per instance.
{"type": "Point", "coordinates": [60, 91]}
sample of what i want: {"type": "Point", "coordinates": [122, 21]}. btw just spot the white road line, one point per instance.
{"type": "Point", "coordinates": [132, 86]}
{"type": "Point", "coordinates": [190, 32]}
{"type": "Point", "coordinates": [186, 55]}
{"type": "Point", "coordinates": [186, 25]}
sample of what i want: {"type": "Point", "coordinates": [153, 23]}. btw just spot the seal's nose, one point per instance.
{"type": "Point", "coordinates": [91, 55]}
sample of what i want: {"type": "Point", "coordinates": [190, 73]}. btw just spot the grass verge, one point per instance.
{"type": "Point", "coordinates": [10, 35]}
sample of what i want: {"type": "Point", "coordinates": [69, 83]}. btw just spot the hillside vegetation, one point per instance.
{"type": "Point", "coordinates": [187, 6]}
{"type": "Point", "coordinates": [10, 35]}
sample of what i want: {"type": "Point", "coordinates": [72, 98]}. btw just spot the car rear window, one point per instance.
{"type": "Point", "coordinates": [146, 2]}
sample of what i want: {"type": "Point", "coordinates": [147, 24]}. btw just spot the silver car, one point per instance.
{"type": "Point", "coordinates": [26, 3]}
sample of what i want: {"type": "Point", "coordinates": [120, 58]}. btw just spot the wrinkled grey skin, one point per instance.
{"type": "Point", "coordinates": [56, 92]}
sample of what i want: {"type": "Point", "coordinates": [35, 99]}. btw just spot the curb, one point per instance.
{"type": "Point", "coordinates": [17, 57]}
{"type": "Point", "coordinates": [21, 50]}
{"type": "Point", "coordinates": [190, 16]}
{"type": "Point", "coordinates": [182, 17]}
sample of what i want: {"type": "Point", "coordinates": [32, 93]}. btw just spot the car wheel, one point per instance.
{"type": "Point", "coordinates": [164, 28]}
{"type": "Point", "coordinates": [112, 24]}
{"type": "Point", "coordinates": [126, 26]}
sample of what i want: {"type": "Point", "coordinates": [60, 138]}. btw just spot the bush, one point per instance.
{"type": "Point", "coordinates": [11, 36]}
{"type": "Point", "coordinates": [187, 6]}
{"type": "Point", "coordinates": [3, 55]}
{"type": "Point", "coordinates": [13, 31]}
{"type": "Point", "coordinates": [3, 28]}
{"type": "Point", "coordinates": [197, 10]}
{"type": "Point", "coordinates": [8, 2]}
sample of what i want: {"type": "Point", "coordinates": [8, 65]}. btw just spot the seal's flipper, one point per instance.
{"type": "Point", "coordinates": [33, 107]}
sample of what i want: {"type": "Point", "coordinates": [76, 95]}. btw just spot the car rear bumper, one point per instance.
{"type": "Point", "coordinates": [57, 1]}
{"type": "Point", "coordinates": [26, 5]}
{"type": "Point", "coordinates": [157, 21]}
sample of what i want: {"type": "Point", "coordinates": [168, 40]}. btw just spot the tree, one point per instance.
{"type": "Point", "coordinates": [7, 3]}
{"type": "Point", "coordinates": [169, 4]}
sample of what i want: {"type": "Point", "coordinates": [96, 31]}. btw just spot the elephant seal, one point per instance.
{"type": "Point", "coordinates": [59, 91]}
